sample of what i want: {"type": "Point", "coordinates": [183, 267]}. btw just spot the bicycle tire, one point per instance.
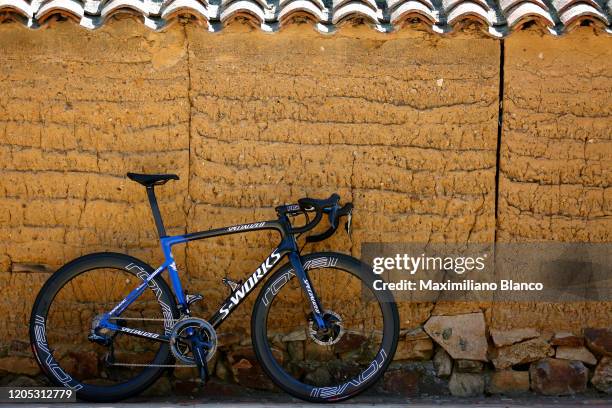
{"type": "Point", "coordinates": [357, 384]}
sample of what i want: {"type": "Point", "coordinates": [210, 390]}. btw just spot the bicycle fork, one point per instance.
{"type": "Point", "coordinates": [315, 303]}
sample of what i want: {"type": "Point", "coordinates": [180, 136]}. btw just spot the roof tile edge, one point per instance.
{"type": "Point", "coordinates": [382, 16]}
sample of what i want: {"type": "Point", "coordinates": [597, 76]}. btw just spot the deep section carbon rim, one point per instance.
{"type": "Point", "coordinates": [337, 363]}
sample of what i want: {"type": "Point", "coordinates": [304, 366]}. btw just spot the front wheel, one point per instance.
{"type": "Point", "coordinates": [342, 361]}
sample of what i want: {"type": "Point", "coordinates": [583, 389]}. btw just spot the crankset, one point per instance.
{"type": "Point", "coordinates": [194, 341]}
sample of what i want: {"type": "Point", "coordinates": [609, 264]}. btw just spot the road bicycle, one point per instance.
{"type": "Point", "coordinates": [318, 328]}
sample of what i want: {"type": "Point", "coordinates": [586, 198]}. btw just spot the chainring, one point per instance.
{"type": "Point", "coordinates": [180, 345]}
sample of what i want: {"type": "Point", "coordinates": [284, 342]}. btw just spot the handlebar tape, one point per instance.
{"type": "Point", "coordinates": [334, 217]}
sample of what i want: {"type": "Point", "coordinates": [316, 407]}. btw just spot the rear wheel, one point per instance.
{"type": "Point", "coordinates": [68, 305]}
{"type": "Point", "coordinates": [337, 363]}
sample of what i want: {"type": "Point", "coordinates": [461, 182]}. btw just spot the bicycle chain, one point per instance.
{"type": "Point", "coordinates": [150, 319]}
{"type": "Point", "coordinates": [169, 365]}
{"type": "Point", "coordinates": [151, 365]}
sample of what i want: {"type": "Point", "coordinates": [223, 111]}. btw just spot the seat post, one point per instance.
{"type": "Point", "coordinates": [155, 209]}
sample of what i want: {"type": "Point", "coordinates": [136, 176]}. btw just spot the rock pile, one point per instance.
{"type": "Point", "coordinates": [468, 362]}
{"type": "Point", "coordinates": [453, 354]}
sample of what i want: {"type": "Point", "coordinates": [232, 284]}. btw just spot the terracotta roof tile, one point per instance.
{"type": "Point", "coordinates": [507, 5]}
{"type": "Point", "coordinates": [498, 17]}
{"type": "Point", "coordinates": [528, 11]}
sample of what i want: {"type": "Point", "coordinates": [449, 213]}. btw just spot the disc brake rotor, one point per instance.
{"type": "Point", "coordinates": [329, 336]}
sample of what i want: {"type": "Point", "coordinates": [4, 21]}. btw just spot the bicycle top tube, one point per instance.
{"type": "Point", "coordinates": [277, 225]}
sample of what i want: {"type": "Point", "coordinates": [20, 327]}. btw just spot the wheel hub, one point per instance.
{"type": "Point", "coordinates": [99, 334]}
{"type": "Point", "coordinates": [331, 334]}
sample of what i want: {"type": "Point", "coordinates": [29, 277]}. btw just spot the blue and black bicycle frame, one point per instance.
{"type": "Point", "coordinates": [288, 246]}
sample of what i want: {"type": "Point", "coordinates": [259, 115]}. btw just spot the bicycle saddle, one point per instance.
{"type": "Point", "coordinates": [148, 180]}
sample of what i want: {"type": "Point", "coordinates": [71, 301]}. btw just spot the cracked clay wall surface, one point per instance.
{"type": "Point", "coordinates": [555, 173]}
{"type": "Point", "coordinates": [413, 148]}
{"type": "Point", "coordinates": [404, 125]}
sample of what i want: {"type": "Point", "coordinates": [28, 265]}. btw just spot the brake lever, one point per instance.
{"type": "Point", "coordinates": [349, 223]}
{"type": "Point", "coordinates": [333, 219]}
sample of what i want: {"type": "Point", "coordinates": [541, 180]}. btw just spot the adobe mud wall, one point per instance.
{"type": "Point", "coordinates": [404, 125]}
{"type": "Point", "coordinates": [555, 165]}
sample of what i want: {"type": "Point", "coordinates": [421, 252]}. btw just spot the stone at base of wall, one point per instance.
{"type": "Point", "coordinates": [469, 366]}
{"type": "Point", "coordinates": [462, 336]}
{"type": "Point", "coordinates": [508, 337]}
{"type": "Point", "coordinates": [20, 381]}
{"type": "Point", "coordinates": [19, 365]}
{"type": "Point", "coordinates": [599, 341]}
{"type": "Point", "coordinates": [414, 379]}
{"type": "Point", "coordinates": [551, 376]}
{"type": "Point", "coordinates": [521, 353]}
{"type": "Point", "coordinates": [567, 339]}
{"type": "Point", "coordinates": [466, 384]}
{"type": "Point", "coordinates": [508, 382]}
{"type": "Point", "coordinates": [602, 378]}
{"type": "Point", "coordinates": [576, 353]}
{"type": "Point", "coordinates": [442, 363]}
{"type": "Point", "coordinates": [414, 345]}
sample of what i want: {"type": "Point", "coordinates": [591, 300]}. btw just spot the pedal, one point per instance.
{"type": "Point", "coordinates": [233, 285]}
{"type": "Point", "coordinates": [193, 298]}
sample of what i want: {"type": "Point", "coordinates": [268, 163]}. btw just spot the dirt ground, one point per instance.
{"type": "Point", "coordinates": [359, 402]}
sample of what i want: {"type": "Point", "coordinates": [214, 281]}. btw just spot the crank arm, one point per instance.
{"type": "Point", "coordinates": [200, 359]}
{"type": "Point", "coordinates": [198, 348]}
